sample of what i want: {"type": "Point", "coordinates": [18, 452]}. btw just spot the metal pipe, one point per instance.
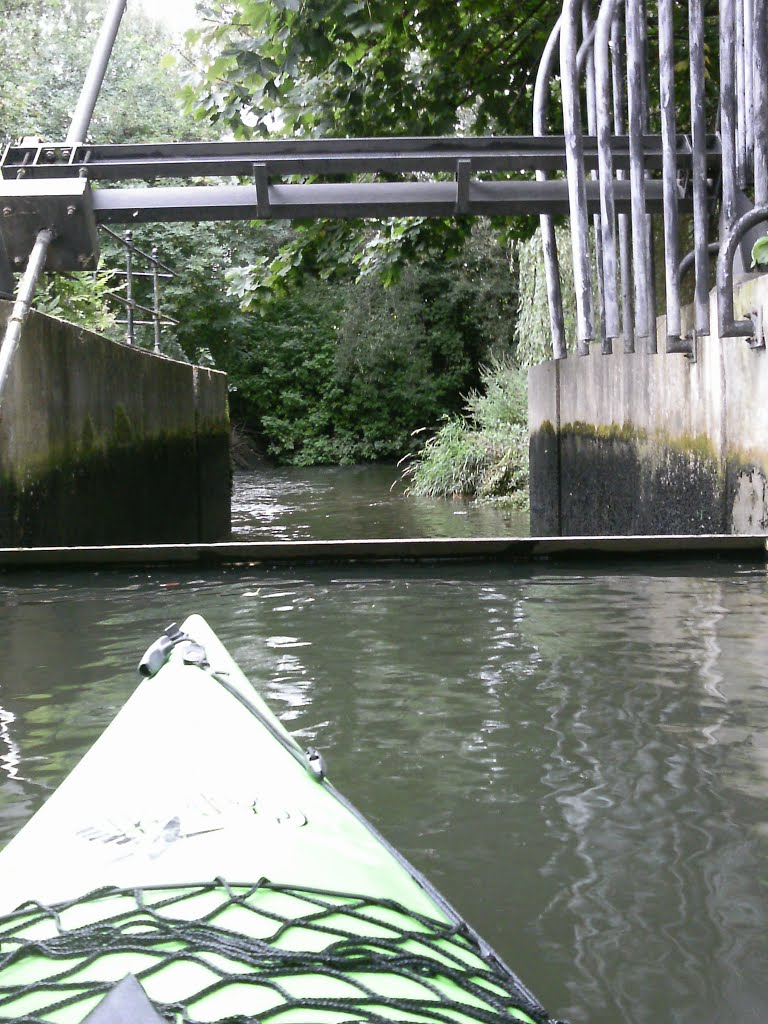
{"type": "Point", "coordinates": [728, 113]}
{"type": "Point", "coordinates": [760, 100]}
{"type": "Point", "coordinates": [728, 327]}
{"type": "Point", "coordinates": [156, 299]}
{"type": "Point", "coordinates": [625, 230]}
{"type": "Point", "coordinates": [95, 74]}
{"type": "Point", "coordinates": [688, 261]}
{"type": "Point", "coordinates": [668, 138]}
{"type": "Point", "coordinates": [23, 303]}
{"type": "Point", "coordinates": [604, 23]}
{"type": "Point", "coordinates": [546, 222]}
{"type": "Point", "coordinates": [640, 240]}
{"type": "Point", "coordinates": [577, 192]}
{"type": "Point", "coordinates": [76, 134]}
{"type": "Point", "coordinates": [749, 87]}
{"type": "Point", "coordinates": [741, 126]}
{"type": "Point", "coordinates": [646, 128]}
{"type": "Point", "coordinates": [699, 167]}
{"type": "Point", "coordinates": [589, 29]}
{"type": "Point", "coordinates": [131, 337]}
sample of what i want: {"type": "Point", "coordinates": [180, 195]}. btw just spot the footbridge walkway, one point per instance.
{"type": "Point", "coordinates": [636, 151]}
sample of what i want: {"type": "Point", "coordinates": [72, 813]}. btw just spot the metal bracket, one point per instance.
{"type": "Point", "coordinates": [758, 327]}
{"type": "Point", "coordinates": [64, 206]}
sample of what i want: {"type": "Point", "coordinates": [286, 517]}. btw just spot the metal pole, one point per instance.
{"type": "Point", "coordinates": [156, 298]}
{"type": "Point", "coordinates": [699, 168]}
{"type": "Point", "coordinates": [577, 189]}
{"type": "Point", "coordinates": [589, 30]}
{"type": "Point", "coordinates": [669, 145]}
{"type": "Point", "coordinates": [21, 306]}
{"type": "Point", "coordinates": [728, 113]}
{"type": "Point", "coordinates": [760, 81]}
{"type": "Point", "coordinates": [605, 163]}
{"type": "Point", "coordinates": [749, 112]}
{"type": "Point", "coordinates": [625, 228]}
{"type": "Point", "coordinates": [95, 74]}
{"type": "Point", "coordinates": [741, 123]}
{"type": "Point", "coordinates": [646, 128]}
{"type": "Point", "coordinates": [130, 337]}
{"type": "Point", "coordinates": [640, 240]}
{"type": "Point", "coordinates": [546, 222]}
{"type": "Point", "coordinates": [75, 135]}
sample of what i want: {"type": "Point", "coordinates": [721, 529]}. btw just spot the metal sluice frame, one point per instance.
{"type": "Point", "coordinates": [741, 148]}
{"type": "Point", "coordinates": [615, 171]}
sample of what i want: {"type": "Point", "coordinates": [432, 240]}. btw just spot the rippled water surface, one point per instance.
{"type": "Point", "coordinates": [365, 502]}
{"type": "Point", "coordinates": [579, 759]}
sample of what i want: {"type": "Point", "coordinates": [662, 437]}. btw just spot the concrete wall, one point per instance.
{"type": "Point", "coordinates": [654, 444]}
{"type": "Point", "coordinates": [103, 443]}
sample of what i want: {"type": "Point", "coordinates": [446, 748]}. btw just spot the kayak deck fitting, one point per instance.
{"type": "Point", "coordinates": [198, 849]}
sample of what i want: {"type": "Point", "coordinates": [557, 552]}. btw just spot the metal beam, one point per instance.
{"type": "Point", "coordinates": [286, 157]}
{"type": "Point", "coordinates": [403, 199]}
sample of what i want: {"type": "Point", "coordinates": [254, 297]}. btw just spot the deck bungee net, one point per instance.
{"type": "Point", "coordinates": [240, 952]}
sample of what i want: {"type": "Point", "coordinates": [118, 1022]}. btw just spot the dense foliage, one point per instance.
{"type": "Point", "coordinates": [363, 68]}
{"type": "Point", "coordinates": [344, 372]}
{"type": "Point", "coordinates": [484, 453]}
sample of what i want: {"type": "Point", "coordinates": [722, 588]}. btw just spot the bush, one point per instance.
{"type": "Point", "coordinates": [485, 454]}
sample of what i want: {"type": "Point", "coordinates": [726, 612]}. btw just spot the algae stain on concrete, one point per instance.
{"type": "Point", "coordinates": [122, 431]}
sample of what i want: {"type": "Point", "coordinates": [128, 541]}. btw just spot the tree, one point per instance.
{"type": "Point", "coordinates": [365, 67]}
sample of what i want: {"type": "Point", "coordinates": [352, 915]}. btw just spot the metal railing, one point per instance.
{"type": "Point", "coordinates": [605, 92]}
{"type": "Point", "coordinates": [157, 272]}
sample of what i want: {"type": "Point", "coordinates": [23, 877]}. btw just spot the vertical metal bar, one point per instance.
{"type": "Point", "coordinates": [546, 222]}
{"type": "Point", "coordinates": [605, 19]}
{"type": "Point", "coordinates": [741, 126]}
{"type": "Point", "coordinates": [699, 167]}
{"type": "Point", "coordinates": [749, 102]}
{"type": "Point", "coordinates": [129, 316]}
{"type": "Point", "coordinates": [625, 231]}
{"type": "Point", "coordinates": [156, 298]}
{"type": "Point", "coordinates": [577, 189]}
{"type": "Point", "coordinates": [669, 157]}
{"type": "Point", "coordinates": [760, 120]}
{"type": "Point", "coordinates": [728, 112]}
{"type": "Point", "coordinates": [640, 240]}
{"type": "Point", "coordinates": [646, 123]}
{"type": "Point", "coordinates": [589, 29]}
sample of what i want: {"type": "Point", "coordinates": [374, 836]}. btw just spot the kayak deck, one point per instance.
{"type": "Point", "coordinates": [132, 867]}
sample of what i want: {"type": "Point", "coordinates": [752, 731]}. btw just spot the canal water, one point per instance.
{"type": "Point", "coordinates": [577, 757]}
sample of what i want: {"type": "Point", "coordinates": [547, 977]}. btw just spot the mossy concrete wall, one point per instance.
{"type": "Point", "coordinates": [103, 443]}
{"type": "Point", "coordinates": [654, 444]}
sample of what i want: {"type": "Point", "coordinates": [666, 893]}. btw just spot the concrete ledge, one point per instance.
{"type": "Point", "coordinates": [515, 549]}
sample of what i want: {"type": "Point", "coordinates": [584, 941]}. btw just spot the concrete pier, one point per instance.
{"type": "Point", "coordinates": [105, 443]}
{"type": "Point", "coordinates": [654, 443]}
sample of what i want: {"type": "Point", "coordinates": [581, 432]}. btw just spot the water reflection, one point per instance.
{"type": "Point", "coordinates": [576, 758]}
{"type": "Point", "coordinates": [361, 502]}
